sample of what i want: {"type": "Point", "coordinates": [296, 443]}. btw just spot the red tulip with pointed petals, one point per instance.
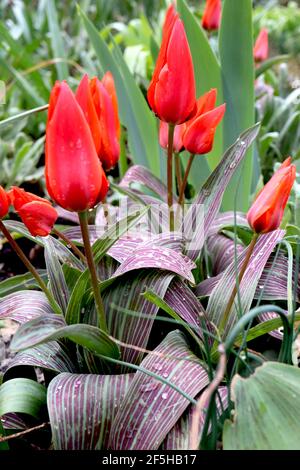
{"type": "Point", "coordinates": [73, 171]}
{"type": "Point", "coordinates": [261, 47]}
{"type": "Point", "coordinates": [4, 202]}
{"type": "Point", "coordinates": [171, 93]}
{"type": "Point", "coordinates": [266, 212]}
{"type": "Point", "coordinates": [212, 15]}
{"type": "Point", "coordinates": [36, 213]}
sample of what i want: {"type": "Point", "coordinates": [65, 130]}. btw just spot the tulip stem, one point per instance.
{"type": "Point", "coordinates": [30, 267]}
{"type": "Point", "coordinates": [170, 174]}
{"type": "Point", "coordinates": [70, 244]}
{"type": "Point", "coordinates": [240, 277]}
{"type": "Point", "coordinates": [178, 171]}
{"type": "Point", "coordinates": [92, 268]}
{"type": "Point", "coordinates": [185, 179]}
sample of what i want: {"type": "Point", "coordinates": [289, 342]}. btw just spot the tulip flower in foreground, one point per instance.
{"type": "Point", "coordinates": [267, 210]}
{"type": "Point", "coordinates": [4, 202]}
{"type": "Point", "coordinates": [171, 93]}
{"type": "Point", "coordinates": [98, 100]}
{"type": "Point", "coordinates": [212, 15]}
{"type": "Point", "coordinates": [261, 47]}
{"type": "Point", "coordinates": [36, 213]}
{"type": "Point", "coordinates": [74, 174]}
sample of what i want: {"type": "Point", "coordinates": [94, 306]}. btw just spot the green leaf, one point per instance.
{"type": "Point", "coordinates": [267, 64]}
{"type": "Point", "coordinates": [267, 411]}
{"type": "Point", "coordinates": [51, 327]}
{"type": "Point", "coordinates": [134, 111]}
{"type": "Point", "coordinates": [58, 46]}
{"type": "Point", "coordinates": [236, 55]}
{"type": "Point", "coordinates": [207, 75]}
{"type": "Point", "coordinates": [20, 282]}
{"type": "Point", "coordinates": [57, 282]}
{"type": "Point", "coordinates": [22, 396]}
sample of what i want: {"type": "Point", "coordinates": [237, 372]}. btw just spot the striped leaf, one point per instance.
{"type": "Point", "coordinates": [13, 421]}
{"type": "Point", "coordinates": [83, 407]}
{"type": "Point", "coordinates": [123, 298]}
{"type": "Point", "coordinates": [179, 436]}
{"type": "Point", "coordinates": [57, 282]}
{"type": "Point", "coordinates": [237, 65]}
{"type": "Point", "coordinates": [24, 306]}
{"type": "Point", "coordinates": [50, 327]}
{"type": "Point", "coordinates": [22, 396]}
{"type": "Point", "coordinates": [210, 196]}
{"type": "Point", "coordinates": [267, 411]}
{"type": "Point", "coordinates": [20, 282]}
{"type": "Point", "coordinates": [222, 292]}
{"type": "Point", "coordinates": [141, 175]}
{"type": "Point", "coordinates": [49, 356]}
{"type": "Point", "coordinates": [151, 408]}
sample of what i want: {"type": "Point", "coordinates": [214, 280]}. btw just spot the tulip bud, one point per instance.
{"type": "Point", "coordinates": [36, 213]}
{"type": "Point", "coordinates": [171, 93]}
{"type": "Point", "coordinates": [109, 124]}
{"type": "Point", "coordinates": [198, 137]}
{"type": "Point", "coordinates": [177, 139]}
{"type": "Point", "coordinates": [261, 47]}
{"type": "Point", "coordinates": [266, 212]}
{"type": "Point", "coordinates": [73, 171]}
{"type": "Point", "coordinates": [4, 202]}
{"type": "Point", "coordinates": [212, 15]}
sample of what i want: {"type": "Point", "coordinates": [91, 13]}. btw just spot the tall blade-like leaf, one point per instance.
{"type": "Point", "coordinates": [151, 408]}
{"type": "Point", "coordinates": [58, 285]}
{"type": "Point", "coordinates": [58, 48]}
{"type": "Point", "coordinates": [209, 199]}
{"type": "Point", "coordinates": [82, 409]}
{"type": "Point", "coordinates": [267, 411]}
{"type": "Point", "coordinates": [237, 64]}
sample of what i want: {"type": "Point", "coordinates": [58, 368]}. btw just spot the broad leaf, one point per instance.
{"type": "Point", "coordinates": [267, 411]}
{"type": "Point", "coordinates": [151, 408]}
{"type": "Point", "coordinates": [22, 396]}
{"type": "Point", "coordinates": [83, 407]}
{"type": "Point", "coordinates": [24, 306]}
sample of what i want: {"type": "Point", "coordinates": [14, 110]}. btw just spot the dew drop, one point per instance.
{"type": "Point", "coordinates": [164, 396]}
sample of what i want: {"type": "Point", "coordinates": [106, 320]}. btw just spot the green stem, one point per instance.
{"type": "Point", "coordinates": [29, 266]}
{"type": "Point", "coordinates": [178, 171]}
{"type": "Point", "coordinates": [93, 273]}
{"type": "Point", "coordinates": [185, 179]}
{"type": "Point", "coordinates": [170, 174]}
{"type": "Point", "coordinates": [240, 277]}
{"type": "Point", "coordinates": [69, 243]}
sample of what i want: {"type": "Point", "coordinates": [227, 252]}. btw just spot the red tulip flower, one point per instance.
{"type": "Point", "coordinates": [74, 174]}
{"type": "Point", "coordinates": [36, 213]}
{"type": "Point", "coordinates": [171, 93]}
{"type": "Point", "coordinates": [98, 100]}
{"type": "Point", "coordinates": [106, 109]}
{"type": "Point", "coordinates": [4, 202]}
{"type": "Point", "coordinates": [200, 130]}
{"type": "Point", "coordinates": [177, 139]}
{"type": "Point", "coordinates": [267, 210]}
{"type": "Point", "coordinates": [261, 47]}
{"type": "Point", "coordinates": [212, 15]}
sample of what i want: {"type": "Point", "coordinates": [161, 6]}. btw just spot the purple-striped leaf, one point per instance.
{"type": "Point", "coordinates": [53, 327]}
{"type": "Point", "coordinates": [46, 356]}
{"type": "Point", "coordinates": [222, 251]}
{"type": "Point", "coordinates": [140, 174]}
{"type": "Point", "coordinates": [151, 408]}
{"type": "Point", "coordinates": [83, 407]}
{"type": "Point", "coordinates": [24, 306]}
{"type": "Point", "coordinates": [222, 292]}
{"type": "Point", "coordinates": [122, 298]}
{"type": "Point", "coordinates": [57, 282]}
{"type": "Point", "coordinates": [13, 421]}
{"type": "Point", "coordinates": [179, 436]}
{"type": "Point", "coordinates": [227, 219]}
{"type": "Point", "coordinates": [210, 196]}
{"type": "Point", "coordinates": [159, 258]}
